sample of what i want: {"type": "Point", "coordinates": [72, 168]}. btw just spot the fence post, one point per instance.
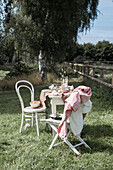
{"type": "Point", "coordinates": [112, 77]}
{"type": "Point", "coordinates": [74, 67]}
{"type": "Point", "coordinates": [94, 70]}
{"type": "Point", "coordinates": [71, 65]}
{"type": "Point", "coordinates": [88, 69]}
{"type": "Point", "coordinates": [84, 71]}
{"type": "Point", "coordinates": [81, 68]}
{"type": "Point", "coordinates": [77, 69]}
{"type": "Point", "coordinates": [102, 75]}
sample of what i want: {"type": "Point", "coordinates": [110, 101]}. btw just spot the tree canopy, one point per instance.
{"type": "Point", "coordinates": [102, 51]}
{"type": "Point", "coordinates": [46, 25]}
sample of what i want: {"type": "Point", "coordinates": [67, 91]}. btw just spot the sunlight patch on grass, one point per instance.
{"type": "Point", "coordinates": [3, 74]}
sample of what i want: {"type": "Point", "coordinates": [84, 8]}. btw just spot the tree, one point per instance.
{"type": "Point", "coordinates": [79, 53]}
{"type": "Point", "coordinates": [7, 41]}
{"type": "Point", "coordinates": [6, 50]}
{"type": "Point", "coordinates": [54, 25]}
{"type": "Point", "coordinates": [58, 22]}
{"type": "Point", "coordinates": [89, 51]}
{"type": "Point", "coordinates": [104, 51]}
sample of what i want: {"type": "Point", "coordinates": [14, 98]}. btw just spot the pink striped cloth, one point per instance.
{"type": "Point", "coordinates": [81, 94]}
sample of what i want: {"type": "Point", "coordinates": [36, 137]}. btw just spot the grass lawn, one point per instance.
{"type": "Point", "coordinates": [29, 152]}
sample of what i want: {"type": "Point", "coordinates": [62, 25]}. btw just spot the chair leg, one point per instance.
{"type": "Point", "coordinates": [55, 138]}
{"type": "Point", "coordinates": [32, 120]}
{"type": "Point", "coordinates": [37, 126]}
{"type": "Point", "coordinates": [71, 146]}
{"type": "Point", "coordinates": [22, 122]}
{"type": "Point", "coordinates": [82, 141]}
{"type": "Point", "coordinates": [47, 116]}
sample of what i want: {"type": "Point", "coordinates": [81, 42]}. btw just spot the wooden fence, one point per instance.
{"type": "Point", "coordinates": [90, 71]}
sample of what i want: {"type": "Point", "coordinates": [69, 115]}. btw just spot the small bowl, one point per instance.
{"type": "Point", "coordinates": [35, 104]}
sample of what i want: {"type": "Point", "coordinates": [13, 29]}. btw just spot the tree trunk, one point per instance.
{"type": "Point", "coordinates": [42, 66]}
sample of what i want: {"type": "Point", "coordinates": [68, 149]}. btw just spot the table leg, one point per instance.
{"type": "Point", "coordinates": [53, 107]}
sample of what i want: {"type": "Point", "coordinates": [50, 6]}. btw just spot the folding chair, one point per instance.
{"type": "Point", "coordinates": [76, 129]}
{"type": "Point", "coordinates": [53, 124]}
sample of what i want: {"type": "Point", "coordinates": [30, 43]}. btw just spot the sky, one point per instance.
{"type": "Point", "coordinates": [103, 25]}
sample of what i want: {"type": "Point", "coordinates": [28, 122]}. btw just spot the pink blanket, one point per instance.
{"type": "Point", "coordinates": [81, 94]}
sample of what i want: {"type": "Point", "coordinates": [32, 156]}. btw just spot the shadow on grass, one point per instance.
{"type": "Point", "coordinates": [95, 148]}
{"type": "Point", "coordinates": [100, 147]}
{"type": "Point", "coordinates": [99, 138]}
{"type": "Point", "coordinates": [98, 131]}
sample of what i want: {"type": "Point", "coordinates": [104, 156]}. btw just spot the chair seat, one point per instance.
{"type": "Point", "coordinates": [53, 121]}
{"type": "Point", "coordinates": [29, 109]}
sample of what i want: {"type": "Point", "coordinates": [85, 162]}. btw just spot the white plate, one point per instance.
{"type": "Point", "coordinates": [47, 90]}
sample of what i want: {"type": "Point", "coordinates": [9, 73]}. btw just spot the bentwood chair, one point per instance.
{"type": "Point", "coordinates": [28, 112]}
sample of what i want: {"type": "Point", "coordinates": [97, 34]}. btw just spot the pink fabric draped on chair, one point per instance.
{"type": "Point", "coordinates": [81, 94]}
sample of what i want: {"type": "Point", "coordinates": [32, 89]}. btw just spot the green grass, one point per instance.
{"type": "Point", "coordinates": [29, 152]}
